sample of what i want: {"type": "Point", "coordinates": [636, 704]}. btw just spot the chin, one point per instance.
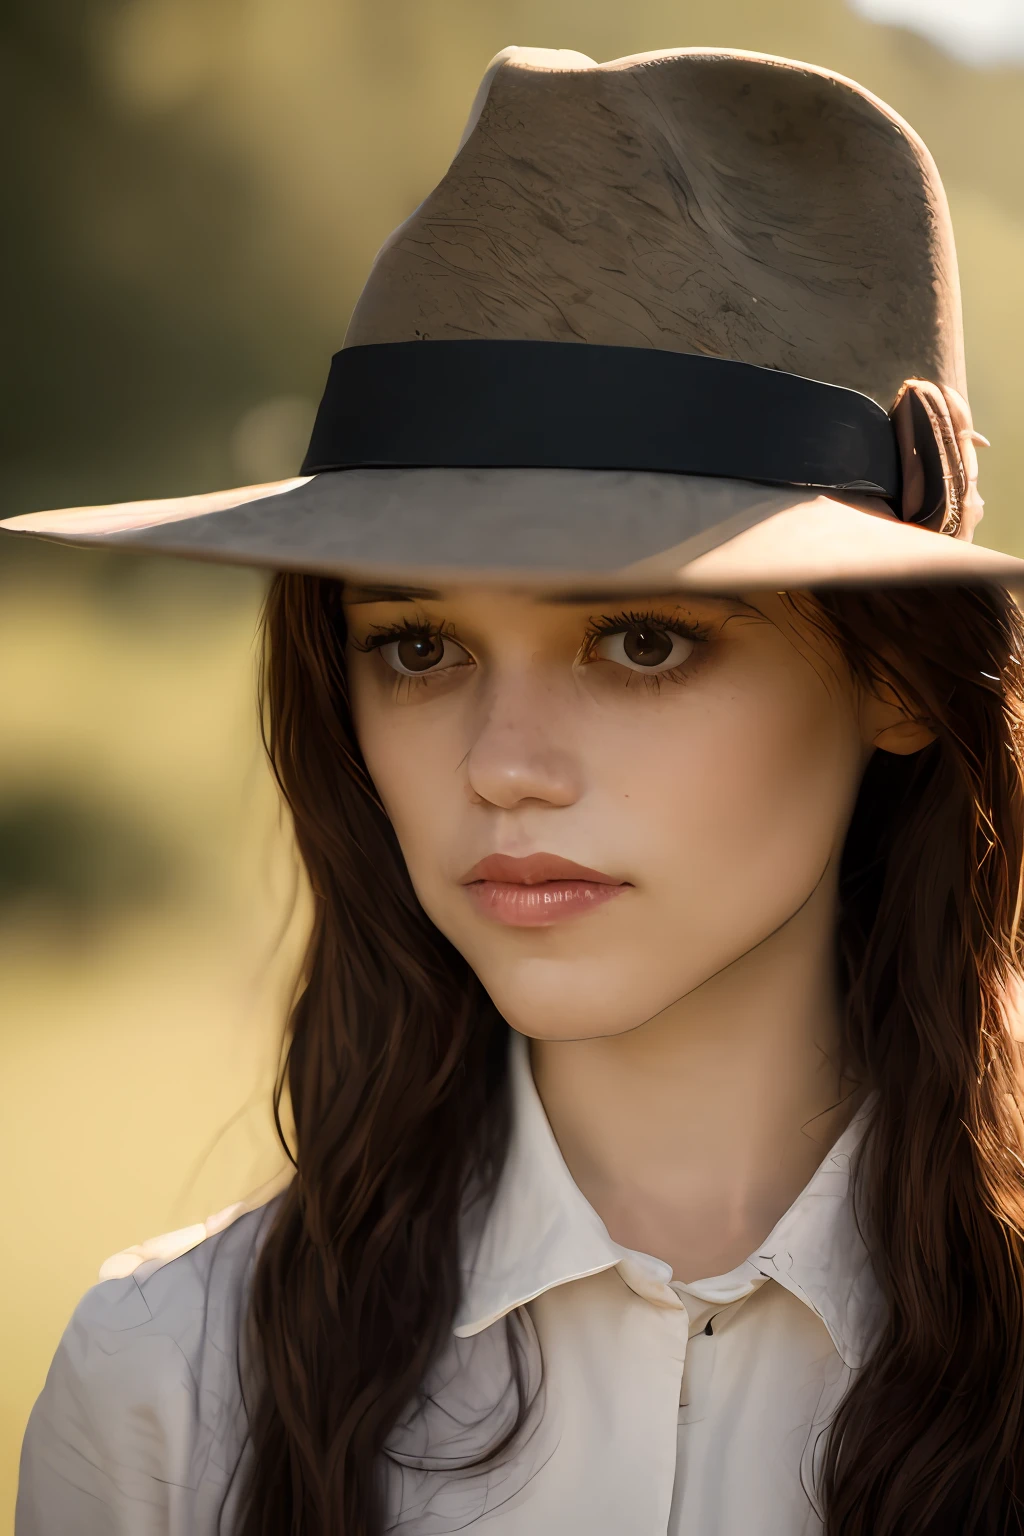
{"type": "Point", "coordinates": [568, 1007]}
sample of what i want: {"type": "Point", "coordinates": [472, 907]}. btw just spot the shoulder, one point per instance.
{"type": "Point", "coordinates": [181, 1297]}
{"type": "Point", "coordinates": [141, 1423]}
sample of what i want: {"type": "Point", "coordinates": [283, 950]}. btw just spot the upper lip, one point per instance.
{"type": "Point", "coordinates": [534, 869]}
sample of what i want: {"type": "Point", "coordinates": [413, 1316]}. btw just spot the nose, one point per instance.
{"type": "Point", "coordinates": [521, 752]}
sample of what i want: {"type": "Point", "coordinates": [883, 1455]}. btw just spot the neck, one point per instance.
{"type": "Point", "coordinates": [692, 1134]}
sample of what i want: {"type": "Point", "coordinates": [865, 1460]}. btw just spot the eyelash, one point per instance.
{"type": "Point", "coordinates": [596, 630]}
{"type": "Point", "coordinates": [615, 623]}
{"type": "Point", "coordinates": [404, 629]}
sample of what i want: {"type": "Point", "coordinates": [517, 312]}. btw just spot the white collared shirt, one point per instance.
{"type": "Point", "coordinates": [653, 1408]}
{"type": "Point", "coordinates": [670, 1409]}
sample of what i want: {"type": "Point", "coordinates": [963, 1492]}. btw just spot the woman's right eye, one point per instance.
{"type": "Point", "coordinates": [415, 654]}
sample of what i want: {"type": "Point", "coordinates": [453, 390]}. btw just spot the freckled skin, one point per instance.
{"type": "Point", "coordinates": [720, 792]}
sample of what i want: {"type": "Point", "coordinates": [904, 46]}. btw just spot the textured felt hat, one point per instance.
{"type": "Point", "coordinates": [684, 319]}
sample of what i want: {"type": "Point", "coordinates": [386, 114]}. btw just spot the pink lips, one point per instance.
{"type": "Point", "coordinates": [538, 890]}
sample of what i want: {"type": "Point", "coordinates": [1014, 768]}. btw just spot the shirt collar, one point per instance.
{"type": "Point", "coordinates": [540, 1231]}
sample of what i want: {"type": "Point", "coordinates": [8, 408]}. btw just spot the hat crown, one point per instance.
{"type": "Point", "coordinates": [716, 202]}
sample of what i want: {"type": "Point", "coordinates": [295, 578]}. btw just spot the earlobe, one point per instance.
{"type": "Point", "coordinates": [904, 738]}
{"type": "Point", "coordinates": [889, 722]}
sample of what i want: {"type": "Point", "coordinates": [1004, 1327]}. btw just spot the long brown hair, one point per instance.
{"type": "Point", "coordinates": [396, 1075]}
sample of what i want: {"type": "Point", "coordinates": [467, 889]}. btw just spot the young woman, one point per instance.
{"type": "Point", "coordinates": [652, 733]}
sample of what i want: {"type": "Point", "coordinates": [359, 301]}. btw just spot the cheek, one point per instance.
{"type": "Point", "coordinates": [746, 797]}
{"type": "Point", "coordinates": [412, 756]}
{"type": "Point", "coordinates": [726, 812]}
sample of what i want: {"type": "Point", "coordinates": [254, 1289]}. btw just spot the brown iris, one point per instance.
{"type": "Point", "coordinates": [418, 653]}
{"type": "Point", "coordinates": [647, 647]}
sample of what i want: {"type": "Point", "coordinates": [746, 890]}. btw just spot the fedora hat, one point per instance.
{"type": "Point", "coordinates": [685, 319]}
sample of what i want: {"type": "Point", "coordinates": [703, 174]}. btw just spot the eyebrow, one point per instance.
{"type": "Point", "coordinates": [357, 595]}
{"type": "Point", "coordinates": [594, 596]}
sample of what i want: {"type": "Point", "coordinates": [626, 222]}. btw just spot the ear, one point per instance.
{"type": "Point", "coordinates": [937, 440]}
{"type": "Point", "coordinates": [887, 724]}
{"type": "Point", "coordinates": [904, 738]}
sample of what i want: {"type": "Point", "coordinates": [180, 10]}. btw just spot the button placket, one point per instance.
{"type": "Point", "coordinates": [695, 1387]}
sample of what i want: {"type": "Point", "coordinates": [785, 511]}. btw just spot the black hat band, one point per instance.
{"type": "Point", "coordinates": [570, 405]}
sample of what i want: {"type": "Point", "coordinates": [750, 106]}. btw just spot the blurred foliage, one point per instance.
{"type": "Point", "coordinates": [74, 861]}
{"type": "Point", "coordinates": [102, 715]}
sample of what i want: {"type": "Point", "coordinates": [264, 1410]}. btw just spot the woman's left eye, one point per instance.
{"type": "Point", "coordinates": [416, 654]}
{"type": "Point", "coordinates": [645, 648]}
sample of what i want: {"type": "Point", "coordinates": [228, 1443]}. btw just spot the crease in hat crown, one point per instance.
{"type": "Point", "coordinates": [699, 200]}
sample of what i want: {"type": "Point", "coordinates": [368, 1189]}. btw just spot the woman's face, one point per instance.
{"type": "Point", "coordinates": [602, 804]}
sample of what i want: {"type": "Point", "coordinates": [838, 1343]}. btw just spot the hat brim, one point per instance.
{"type": "Point", "coordinates": [544, 528]}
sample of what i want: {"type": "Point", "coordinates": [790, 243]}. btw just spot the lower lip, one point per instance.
{"type": "Point", "coordinates": [541, 905]}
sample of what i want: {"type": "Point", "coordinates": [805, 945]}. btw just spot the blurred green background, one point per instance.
{"type": "Point", "coordinates": [194, 190]}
